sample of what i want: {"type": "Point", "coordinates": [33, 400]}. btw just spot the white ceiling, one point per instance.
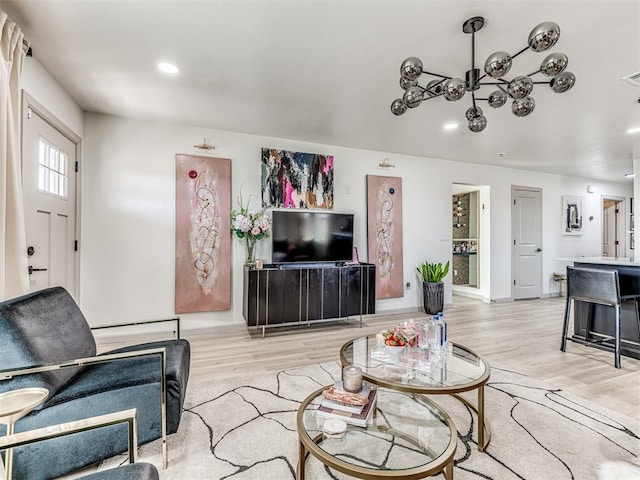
{"type": "Point", "coordinates": [327, 71]}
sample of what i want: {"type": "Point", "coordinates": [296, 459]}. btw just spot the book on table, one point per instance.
{"type": "Point", "coordinates": [360, 419]}
{"type": "Point", "coordinates": [336, 405]}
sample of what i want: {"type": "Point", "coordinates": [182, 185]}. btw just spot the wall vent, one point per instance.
{"type": "Point", "coordinates": [633, 79]}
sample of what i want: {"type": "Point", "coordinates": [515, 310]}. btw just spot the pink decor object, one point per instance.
{"type": "Point", "coordinates": [296, 179]}
{"type": "Point", "coordinates": [384, 224]}
{"type": "Point", "coordinates": [203, 244]}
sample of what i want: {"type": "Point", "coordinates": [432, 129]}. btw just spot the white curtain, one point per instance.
{"type": "Point", "coordinates": [14, 279]}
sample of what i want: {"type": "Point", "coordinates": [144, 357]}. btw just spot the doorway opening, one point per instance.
{"type": "Point", "coordinates": [465, 233]}
{"type": "Point", "coordinates": [470, 240]}
{"type": "Point", "coordinates": [613, 227]}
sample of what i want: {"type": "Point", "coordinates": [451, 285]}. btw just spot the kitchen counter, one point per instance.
{"type": "Point", "coordinates": [600, 260]}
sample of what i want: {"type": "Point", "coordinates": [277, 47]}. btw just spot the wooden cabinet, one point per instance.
{"type": "Point", "coordinates": [276, 295]}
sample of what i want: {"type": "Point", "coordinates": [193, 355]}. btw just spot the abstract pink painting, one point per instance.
{"type": "Point", "coordinates": [384, 234]}
{"type": "Point", "coordinates": [296, 179]}
{"type": "Point", "coordinates": [203, 241]}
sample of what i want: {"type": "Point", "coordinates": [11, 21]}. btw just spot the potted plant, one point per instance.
{"type": "Point", "coordinates": [432, 286]}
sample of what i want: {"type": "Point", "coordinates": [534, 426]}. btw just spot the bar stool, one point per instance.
{"type": "Point", "coordinates": [562, 279]}
{"type": "Point", "coordinates": [597, 287]}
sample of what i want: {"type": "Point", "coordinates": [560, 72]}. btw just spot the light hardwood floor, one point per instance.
{"type": "Point", "coordinates": [523, 336]}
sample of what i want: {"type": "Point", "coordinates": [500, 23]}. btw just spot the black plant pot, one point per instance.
{"type": "Point", "coordinates": [433, 297]}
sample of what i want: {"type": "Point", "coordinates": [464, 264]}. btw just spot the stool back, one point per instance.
{"type": "Point", "coordinates": [595, 286]}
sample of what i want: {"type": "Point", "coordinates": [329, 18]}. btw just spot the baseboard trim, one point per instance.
{"type": "Point", "coordinates": [463, 293]}
{"type": "Point", "coordinates": [499, 300]}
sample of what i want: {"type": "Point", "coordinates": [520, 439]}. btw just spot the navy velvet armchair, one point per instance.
{"type": "Point", "coordinates": [47, 342]}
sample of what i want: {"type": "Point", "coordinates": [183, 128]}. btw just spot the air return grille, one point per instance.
{"type": "Point", "coordinates": [633, 79]}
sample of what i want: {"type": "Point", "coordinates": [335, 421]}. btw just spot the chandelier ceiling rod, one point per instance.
{"type": "Point", "coordinates": [541, 38]}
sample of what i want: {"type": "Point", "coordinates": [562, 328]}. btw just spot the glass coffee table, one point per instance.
{"type": "Point", "coordinates": [455, 370]}
{"type": "Point", "coordinates": [408, 437]}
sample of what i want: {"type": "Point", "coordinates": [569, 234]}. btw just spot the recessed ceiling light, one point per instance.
{"type": "Point", "coordinates": [450, 126]}
{"type": "Point", "coordinates": [630, 174]}
{"type": "Point", "coordinates": [168, 67]}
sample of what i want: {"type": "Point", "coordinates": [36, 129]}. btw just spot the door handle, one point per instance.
{"type": "Point", "coordinates": [31, 269]}
{"type": "Point", "coordinates": [538, 249]}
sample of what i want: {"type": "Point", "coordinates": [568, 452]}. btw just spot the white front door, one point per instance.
{"type": "Point", "coordinates": [526, 227]}
{"type": "Point", "coordinates": [49, 184]}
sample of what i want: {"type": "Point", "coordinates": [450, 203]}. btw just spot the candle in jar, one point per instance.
{"type": "Point", "coordinates": [352, 379]}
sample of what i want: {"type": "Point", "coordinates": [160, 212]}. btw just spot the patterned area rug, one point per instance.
{"type": "Point", "coordinates": [244, 428]}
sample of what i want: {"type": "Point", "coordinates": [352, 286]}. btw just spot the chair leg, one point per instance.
{"type": "Point", "coordinates": [565, 325]}
{"type": "Point", "coordinates": [590, 316]}
{"type": "Point", "coordinates": [635, 302]}
{"type": "Point", "coordinates": [617, 338]}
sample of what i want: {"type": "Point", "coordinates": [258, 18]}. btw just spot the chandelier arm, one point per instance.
{"type": "Point", "coordinates": [521, 51]}
{"type": "Point", "coordinates": [473, 99]}
{"type": "Point", "coordinates": [499, 82]}
{"type": "Point", "coordinates": [532, 74]}
{"type": "Point", "coordinates": [542, 83]}
{"type": "Point", "coordinates": [500, 87]}
{"type": "Point", "coordinates": [430, 98]}
{"type": "Point", "coordinates": [443, 77]}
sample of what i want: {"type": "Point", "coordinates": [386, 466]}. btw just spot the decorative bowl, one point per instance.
{"type": "Point", "coordinates": [394, 349]}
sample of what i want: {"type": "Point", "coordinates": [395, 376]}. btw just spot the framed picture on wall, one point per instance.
{"type": "Point", "coordinates": [571, 215]}
{"type": "Point", "coordinates": [296, 179]}
{"type": "Point", "coordinates": [203, 240]}
{"type": "Point", "coordinates": [384, 234]}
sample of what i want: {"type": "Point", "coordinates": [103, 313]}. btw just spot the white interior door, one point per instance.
{"type": "Point", "coordinates": [527, 242]}
{"type": "Point", "coordinates": [49, 183]}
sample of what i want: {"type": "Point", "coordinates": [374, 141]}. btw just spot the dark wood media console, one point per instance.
{"type": "Point", "coordinates": [278, 295]}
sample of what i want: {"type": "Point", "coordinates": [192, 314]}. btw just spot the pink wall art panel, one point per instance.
{"type": "Point", "coordinates": [296, 180]}
{"type": "Point", "coordinates": [203, 241]}
{"type": "Point", "coordinates": [384, 232]}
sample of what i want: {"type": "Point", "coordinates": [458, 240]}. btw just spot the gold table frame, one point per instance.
{"type": "Point", "coordinates": [307, 444]}
{"type": "Point", "coordinates": [484, 429]}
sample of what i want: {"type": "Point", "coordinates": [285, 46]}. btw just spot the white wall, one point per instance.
{"type": "Point", "coordinates": [128, 190]}
{"type": "Point", "coordinates": [128, 214]}
{"type": "Point", "coordinates": [48, 93]}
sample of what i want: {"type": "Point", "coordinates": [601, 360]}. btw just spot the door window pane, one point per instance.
{"type": "Point", "coordinates": [53, 177]}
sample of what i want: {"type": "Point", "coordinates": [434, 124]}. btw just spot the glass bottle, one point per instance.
{"type": "Point", "coordinates": [435, 336]}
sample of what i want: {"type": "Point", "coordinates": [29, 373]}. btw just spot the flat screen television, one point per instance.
{"type": "Point", "coordinates": [302, 236]}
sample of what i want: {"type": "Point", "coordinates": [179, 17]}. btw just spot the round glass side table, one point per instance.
{"type": "Point", "coordinates": [409, 437]}
{"type": "Point", "coordinates": [14, 405]}
{"type": "Point", "coordinates": [457, 369]}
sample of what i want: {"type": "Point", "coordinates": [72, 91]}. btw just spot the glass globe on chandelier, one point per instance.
{"type": "Point", "coordinates": [542, 37]}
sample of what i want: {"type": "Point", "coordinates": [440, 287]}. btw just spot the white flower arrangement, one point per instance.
{"type": "Point", "coordinates": [250, 225]}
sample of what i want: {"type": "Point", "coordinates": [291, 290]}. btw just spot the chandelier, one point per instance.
{"type": "Point", "coordinates": [542, 37]}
